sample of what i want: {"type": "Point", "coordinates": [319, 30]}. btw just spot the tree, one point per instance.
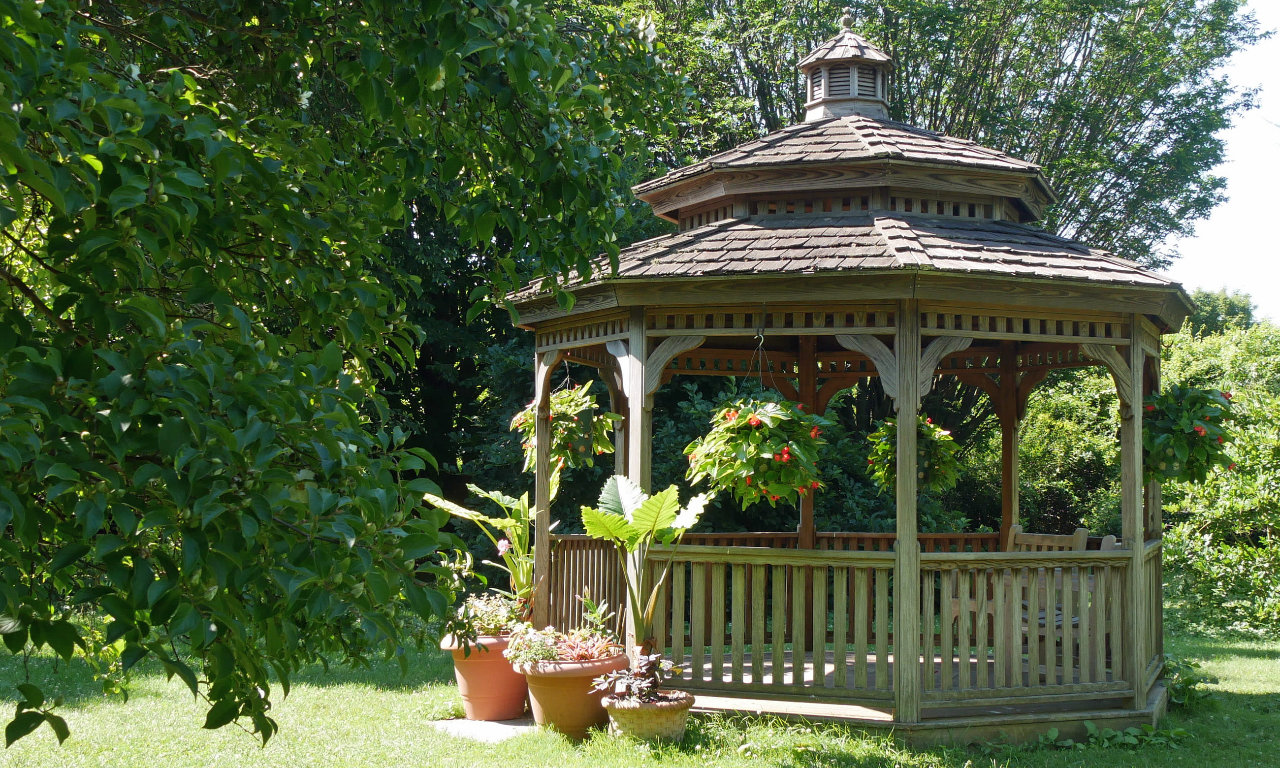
{"type": "Point", "coordinates": [1219, 311]}
{"type": "Point", "coordinates": [198, 302]}
{"type": "Point", "coordinates": [1120, 102]}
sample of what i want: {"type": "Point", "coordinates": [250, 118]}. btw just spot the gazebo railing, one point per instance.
{"type": "Point", "coordinates": [744, 619]}
{"type": "Point", "coordinates": [1010, 625]}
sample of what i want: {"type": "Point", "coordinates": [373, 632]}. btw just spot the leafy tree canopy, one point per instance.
{"type": "Point", "coordinates": [1219, 311]}
{"type": "Point", "coordinates": [197, 301]}
{"type": "Point", "coordinates": [1120, 102]}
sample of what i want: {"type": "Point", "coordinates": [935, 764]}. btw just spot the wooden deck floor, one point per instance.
{"type": "Point", "coordinates": [977, 675]}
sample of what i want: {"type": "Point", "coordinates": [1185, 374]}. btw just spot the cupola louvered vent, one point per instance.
{"type": "Point", "coordinates": [866, 82]}
{"type": "Point", "coordinates": [815, 84]}
{"type": "Point", "coordinates": [839, 85]}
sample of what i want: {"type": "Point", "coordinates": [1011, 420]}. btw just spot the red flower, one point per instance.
{"type": "Point", "coordinates": [1220, 440]}
{"type": "Point", "coordinates": [814, 433]}
{"type": "Point", "coordinates": [802, 490]}
{"type": "Point", "coordinates": [814, 485]}
{"type": "Point", "coordinates": [1150, 408]}
{"type": "Point", "coordinates": [1227, 395]}
{"type": "Point", "coordinates": [747, 479]}
{"type": "Point", "coordinates": [1232, 465]}
{"type": "Point", "coordinates": [1200, 430]}
{"type": "Point", "coordinates": [871, 461]}
{"type": "Point", "coordinates": [753, 420]}
{"type": "Point", "coordinates": [928, 421]}
{"type": "Point", "coordinates": [799, 406]}
{"type": "Point", "coordinates": [775, 498]}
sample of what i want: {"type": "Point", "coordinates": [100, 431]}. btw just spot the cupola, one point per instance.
{"type": "Point", "coordinates": [846, 75]}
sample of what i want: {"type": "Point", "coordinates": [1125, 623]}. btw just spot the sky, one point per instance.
{"type": "Point", "coordinates": [1237, 247]}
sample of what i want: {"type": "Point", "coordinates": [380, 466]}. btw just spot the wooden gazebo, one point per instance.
{"type": "Point", "coordinates": [857, 246]}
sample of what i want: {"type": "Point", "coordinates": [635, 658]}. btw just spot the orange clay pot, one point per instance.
{"type": "Point", "coordinates": [561, 697]}
{"type": "Point", "coordinates": [490, 688]}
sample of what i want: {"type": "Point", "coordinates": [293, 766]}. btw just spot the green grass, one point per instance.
{"type": "Point", "coordinates": [378, 718]}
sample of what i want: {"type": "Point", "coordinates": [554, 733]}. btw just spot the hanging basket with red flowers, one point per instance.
{"type": "Point", "coordinates": [579, 432]}
{"type": "Point", "coordinates": [937, 468]}
{"type": "Point", "coordinates": [1185, 433]}
{"type": "Point", "coordinates": [760, 449]}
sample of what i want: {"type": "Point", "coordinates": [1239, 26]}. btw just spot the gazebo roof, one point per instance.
{"type": "Point", "coordinates": [809, 244]}
{"type": "Point", "coordinates": [846, 46]}
{"type": "Point", "coordinates": [854, 138]}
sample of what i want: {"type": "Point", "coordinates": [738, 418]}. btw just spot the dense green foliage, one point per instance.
{"type": "Point", "coordinates": [199, 298]}
{"type": "Point", "coordinates": [1118, 101]}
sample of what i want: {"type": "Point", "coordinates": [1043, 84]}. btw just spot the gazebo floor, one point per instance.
{"type": "Point", "coordinates": [962, 721]}
{"type": "Point", "coordinates": [980, 674]}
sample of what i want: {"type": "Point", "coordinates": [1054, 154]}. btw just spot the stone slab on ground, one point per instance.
{"type": "Point", "coordinates": [490, 732]}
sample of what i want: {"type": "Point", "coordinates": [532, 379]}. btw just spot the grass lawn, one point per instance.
{"type": "Point", "coordinates": [376, 718]}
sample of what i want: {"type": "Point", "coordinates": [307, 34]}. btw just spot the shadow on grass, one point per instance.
{"type": "Point", "coordinates": [1215, 647]}
{"type": "Point", "coordinates": [75, 685]}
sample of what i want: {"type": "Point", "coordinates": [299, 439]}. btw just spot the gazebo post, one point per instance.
{"type": "Point", "coordinates": [1132, 510]}
{"type": "Point", "coordinates": [1010, 427]}
{"type": "Point", "coordinates": [906, 569]}
{"type": "Point", "coordinates": [807, 381]}
{"type": "Point", "coordinates": [544, 364]}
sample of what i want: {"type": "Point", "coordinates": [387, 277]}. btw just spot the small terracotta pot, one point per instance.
{"type": "Point", "coordinates": [560, 693]}
{"type": "Point", "coordinates": [661, 720]}
{"type": "Point", "coordinates": [491, 689]}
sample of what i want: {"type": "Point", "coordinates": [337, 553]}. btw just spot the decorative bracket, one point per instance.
{"type": "Point", "coordinates": [885, 361]}
{"type": "Point", "coordinates": [932, 356]}
{"type": "Point", "coordinates": [662, 356]}
{"type": "Point", "coordinates": [1117, 365]}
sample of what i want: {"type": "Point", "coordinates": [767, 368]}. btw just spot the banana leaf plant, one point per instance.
{"type": "Point", "coordinates": [634, 521]}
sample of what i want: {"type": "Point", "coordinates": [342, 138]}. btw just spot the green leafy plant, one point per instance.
{"type": "Point", "coordinates": [634, 521]}
{"type": "Point", "coordinates": [937, 468]}
{"type": "Point", "coordinates": [1185, 682]}
{"type": "Point", "coordinates": [578, 432]}
{"type": "Point", "coordinates": [1185, 433]}
{"type": "Point", "coordinates": [759, 449]}
{"type": "Point", "coordinates": [508, 533]}
{"type": "Point", "coordinates": [642, 681]}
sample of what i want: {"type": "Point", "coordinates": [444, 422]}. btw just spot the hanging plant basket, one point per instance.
{"type": "Point", "coordinates": [579, 432]}
{"type": "Point", "coordinates": [936, 466]}
{"type": "Point", "coordinates": [760, 449]}
{"type": "Point", "coordinates": [1186, 432]}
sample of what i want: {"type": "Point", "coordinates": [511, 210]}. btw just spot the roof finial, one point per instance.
{"type": "Point", "coordinates": [846, 20]}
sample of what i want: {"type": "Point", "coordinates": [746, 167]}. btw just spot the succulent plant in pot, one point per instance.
{"type": "Point", "coordinates": [477, 636]}
{"type": "Point", "coordinates": [637, 704]}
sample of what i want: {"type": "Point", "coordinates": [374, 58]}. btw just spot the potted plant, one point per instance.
{"type": "Point", "coordinates": [760, 449]}
{"type": "Point", "coordinates": [634, 522]}
{"type": "Point", "coordinates": [560, 667]}
{"type": "Point", "coordinates": [491, 688]}
{"type": "Point", "coordinates": [637, 705]}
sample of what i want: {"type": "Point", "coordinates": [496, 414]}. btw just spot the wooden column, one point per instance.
{"type": "Point", "coordinates": [1007, 410]}
{"type": "Point", "coordinates": [543, 365]}
{"type": "Point", "coordinates": [611, 372]}
{"type": "Point", "coordinates": [807, 375]}
{"type": "Point", "coordinates": [1132, 517]}
{"type": "Point", "coordinates": [906, 568]}
{"type": "Point", "coordinates": [639, 404]}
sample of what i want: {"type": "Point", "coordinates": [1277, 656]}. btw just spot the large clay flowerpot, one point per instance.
{"type": "Point", "coordinates": [661, 720]}
{"type": "Point", "coordinates": [560, 693]}
{"type": "Point", "coordinates": [491, 689]}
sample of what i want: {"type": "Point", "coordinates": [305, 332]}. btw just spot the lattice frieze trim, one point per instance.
{"type": "Point", "coordinates": [584, 333]}
{"type": "Point", "coordinates": [791, 206]}
{"type": "Point", "coordinates": [713, 362]}
{"type": "Point", "coordinates": [696, 220]}
{"type": "Point", "coordinates": [702, 322]}
{"type": "Point", "coordinates": [1003, 325]}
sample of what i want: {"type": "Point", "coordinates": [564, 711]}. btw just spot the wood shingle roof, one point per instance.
{"type": "Point", "coordinates": [807, 244]}
{"type": "Point", "coordinates": [846, 46]}
{"type": "Point", "coordinates": [853, 138]}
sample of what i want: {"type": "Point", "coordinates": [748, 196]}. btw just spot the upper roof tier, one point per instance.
{"type": "Point", "coordinates": [850, 143]}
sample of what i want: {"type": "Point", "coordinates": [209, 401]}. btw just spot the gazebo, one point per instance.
{"type": "Point", "coordinates": [856, 246]}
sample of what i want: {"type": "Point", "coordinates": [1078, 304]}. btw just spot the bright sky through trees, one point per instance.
{"type": "Point", "coordinates": [1236, 246]}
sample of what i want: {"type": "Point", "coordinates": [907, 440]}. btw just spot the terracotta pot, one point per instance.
{"type": "Point", "coordinates": [661, 720]}
{"type": "Point", "coordinates": [491, 689]}
{"type": "Point", "coordinates": [561, 697]}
